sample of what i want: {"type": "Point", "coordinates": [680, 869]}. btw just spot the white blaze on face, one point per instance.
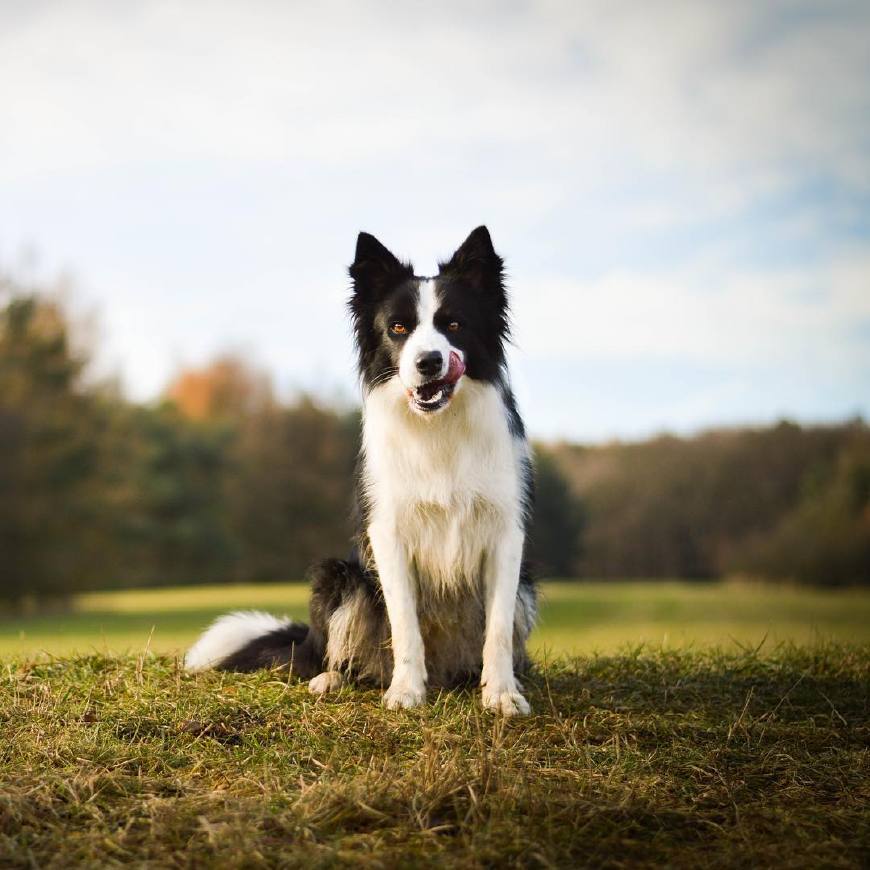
{"type": "Point", "coordinates": [424, 339]}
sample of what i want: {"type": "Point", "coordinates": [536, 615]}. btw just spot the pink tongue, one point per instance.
{"type": "Point", "coordinates": [455, 369]}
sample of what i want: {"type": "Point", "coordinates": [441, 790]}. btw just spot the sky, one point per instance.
{"type": "Point", "coordinates": [681, 191]}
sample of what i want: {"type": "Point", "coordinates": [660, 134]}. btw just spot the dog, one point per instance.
{"type": "Point", "coordinates": [436, 590]}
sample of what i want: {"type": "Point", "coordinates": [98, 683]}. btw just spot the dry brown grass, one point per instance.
{"type": "Point", "coordinates": [648, 758]}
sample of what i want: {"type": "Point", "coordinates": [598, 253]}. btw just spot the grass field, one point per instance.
{"type": "Point", "coordinates": [576, 618]}
{"type": "Point", "coordinates": [716, 725]}
{"type": "Point", "coordinates": [650, 758]}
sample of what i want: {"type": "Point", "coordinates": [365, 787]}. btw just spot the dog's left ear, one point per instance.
{"type": "Point", "coordinates": [476, 263]}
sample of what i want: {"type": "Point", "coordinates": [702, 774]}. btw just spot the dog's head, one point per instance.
{"type": "Point", "coordinates": [429, 333]}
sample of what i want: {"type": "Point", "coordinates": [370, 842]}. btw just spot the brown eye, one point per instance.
{"type": "Point", "coordinates": [398, 328]}
{"type": "Point", "coordinates": [453, 326]}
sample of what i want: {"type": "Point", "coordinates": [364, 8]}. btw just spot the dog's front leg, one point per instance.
{"type": "Point", "coordinates": [408, 686]}
{"type": "Point", "coordinates": [502, 576]}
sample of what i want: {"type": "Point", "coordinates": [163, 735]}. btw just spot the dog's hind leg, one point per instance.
{"type": "Point", "coordinates": [328, 681]}
{"type": "Point", "coordinates": [525, 617]}
{"type": "Point", "coordinates": [347, 607]}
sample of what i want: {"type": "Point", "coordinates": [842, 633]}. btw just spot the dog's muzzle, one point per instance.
{"type": "Point", "coordinates": [435, 394]}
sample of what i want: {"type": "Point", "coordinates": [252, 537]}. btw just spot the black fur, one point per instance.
{"type": "Point", "coordinates": [471, 283]}
{"type": "Point", "coordinates": [299, 647]}
{"type": "Point", "coordinates": [376, 273]}
{"type": "Point", "coordinates": [294, 646]}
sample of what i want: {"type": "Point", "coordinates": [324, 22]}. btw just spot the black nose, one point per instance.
{"type": "Point", "coordinates": [429, 362]}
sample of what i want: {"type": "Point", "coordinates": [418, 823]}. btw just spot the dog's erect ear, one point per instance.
{"type": "Point", "coordinates": [478, 246]}
{"type": "Point", "coordinates": [476, 262]}
{"type": "Point", "coordinates": [375, 269]}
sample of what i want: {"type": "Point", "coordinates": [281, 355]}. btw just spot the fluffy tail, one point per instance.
{"type": "Point", "coordinates": [250, 640]}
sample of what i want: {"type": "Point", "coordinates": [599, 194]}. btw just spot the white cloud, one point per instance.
{"type": "Point", "coordinates": [745, 317]}
{"type": "Point", "coordinates": [677, 85]}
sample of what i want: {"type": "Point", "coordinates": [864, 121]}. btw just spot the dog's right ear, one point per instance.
{"type": "Point", "coordinates": [375, 269]}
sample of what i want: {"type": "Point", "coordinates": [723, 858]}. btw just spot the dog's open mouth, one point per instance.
{"type": "Point", "coordinates": [434, 395]}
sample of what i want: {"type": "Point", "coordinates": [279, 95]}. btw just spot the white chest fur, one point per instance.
{"type": "Point", "coordinates": [448, 486]}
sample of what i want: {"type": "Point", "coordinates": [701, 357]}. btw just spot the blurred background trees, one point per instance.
{"type": "Point", "coordinates": [49, 446]}
{"type": "Point", "coordinates": [785, 502]}
{"type": "Point", "coordinates": [221, 481]}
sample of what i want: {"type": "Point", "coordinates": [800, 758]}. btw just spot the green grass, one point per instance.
{"type": "Point", "coordinates": [575, 617]}
{"type": "Point", "coordinates": [654, 757]}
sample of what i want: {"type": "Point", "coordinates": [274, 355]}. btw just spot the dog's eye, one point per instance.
{"type": "Point", "coordinates": [398, 328]}
{"type": "Point", "coordinates": [453, 326]}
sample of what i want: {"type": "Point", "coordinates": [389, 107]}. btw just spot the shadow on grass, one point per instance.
{"type": "Point", "coordinates": [710, 688]}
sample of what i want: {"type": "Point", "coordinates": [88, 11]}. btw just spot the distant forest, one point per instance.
{"type": "Point", "coordinates": [221, 482]}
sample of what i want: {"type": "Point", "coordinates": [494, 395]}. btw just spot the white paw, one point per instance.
{"type": "Point", "coordinates": [328, 681]}
{"type": "Point", "coordinates": [403, 696]}
{"type": "Point", "coordinates": [505, 700]}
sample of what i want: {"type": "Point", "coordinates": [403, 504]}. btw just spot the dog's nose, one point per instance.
{"type": "Point", "coordinates": [429, 362]}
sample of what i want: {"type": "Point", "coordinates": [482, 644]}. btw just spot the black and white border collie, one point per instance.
{"type": "Point", "coordinates": [436, 591]}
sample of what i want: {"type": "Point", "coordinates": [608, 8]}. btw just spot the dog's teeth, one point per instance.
{"type": "Point", "coordinates": [434, 399]}
{"type": "Point", "coordinates": [427, 401]}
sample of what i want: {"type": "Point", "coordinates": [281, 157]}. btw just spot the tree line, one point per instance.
{"type": "Point", "coordinates": [786, 502]}
{"type": "Point", "coordinates": [219, 481]}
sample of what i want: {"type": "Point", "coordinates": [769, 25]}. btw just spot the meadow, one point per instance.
{"type": "Point", "coordinates": [645, 759]}
{"type": "Point", "coordinates": [679, 725]}
{"type": "Point", "coordinates": [576, 618]}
